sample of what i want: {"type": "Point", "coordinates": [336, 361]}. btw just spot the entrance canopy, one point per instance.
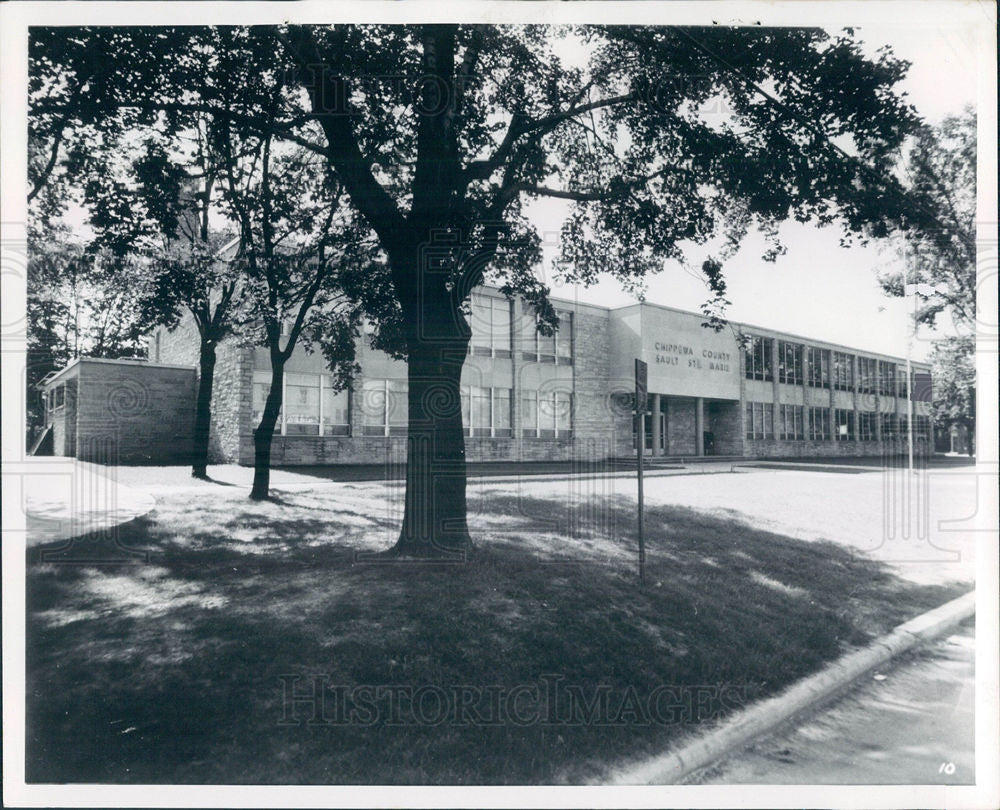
{"type": "Point", "coordinates": [684, 357]}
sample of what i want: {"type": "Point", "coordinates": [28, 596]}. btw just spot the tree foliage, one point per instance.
{"type": "Point", "coordinates": [940, 253]}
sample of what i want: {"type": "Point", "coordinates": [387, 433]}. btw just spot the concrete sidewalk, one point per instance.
{"type": "Point", "coordinates": [64, 498]}
{"type": "Point", "coordinates": [913, 723]}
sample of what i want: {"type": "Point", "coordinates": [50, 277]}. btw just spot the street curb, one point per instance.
{"type": "Point", "coordinates": [741, 730]}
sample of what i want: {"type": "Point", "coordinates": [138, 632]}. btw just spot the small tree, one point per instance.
{"type": "Point", "coordinates": [303, 262]}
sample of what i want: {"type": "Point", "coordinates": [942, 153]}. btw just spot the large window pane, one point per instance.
{"type": "Point", "coordinates": [501, 327]}
{"type": "Point", "coordinates": [466, 411]}
{"type": "Point", "coordinates": [396, 405]}
{"type": "Point", "coordinates": [261, 385]}
{"type": "Point", "coordinates": [564, 338]}
{"type": "Point", "coordinates": [564, 411]}
{"type": "Point", "coordinates": [546, 414]}
{"type": "Point", "coordinates": [373, 407]}
{"type": "Point", "coordinates": [336, 410]}
{"type": "Point", "coordinates": [758, 359]}
{"type": "Point", "coordinates": [527, 334]}
{"type": "Point", "coordinates": [546, 348]}
{"type": "Point", "coordinates": [501, 412]}
{"type": "Point", "coordinates": [301, 404]}
{"type": "Point", "coordinates": [480, 411]}
{"type": "Point", "coordinates": [529, 413]}
{"type": "Point", "coordinates": [481, 324]}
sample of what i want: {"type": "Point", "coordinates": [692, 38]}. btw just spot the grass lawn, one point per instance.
{"type": "Point", "coordinates": [539, 660]}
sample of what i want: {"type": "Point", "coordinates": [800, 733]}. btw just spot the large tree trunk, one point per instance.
{"type": "Point", "coordinates": [263, 435]}
{"type": "Point", "coordinates": [434, 519]}
{"type": "Point", "coordinates": [203, 411]}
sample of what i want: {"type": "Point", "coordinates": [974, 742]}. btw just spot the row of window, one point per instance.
{"type": "Point", "coordinates": [310, 405]}
{"type": "Point", "coordinates": [491, 320]}
{"type": "Point", "coordinates": [797, 422]}
{"type": "Point", "coordinates": [312, 408]}
{"type": "Point", "coordinates": [821, 368]}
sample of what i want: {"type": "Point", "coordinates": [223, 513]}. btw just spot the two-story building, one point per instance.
{"type": "Point", "coordinates": [742, 391]}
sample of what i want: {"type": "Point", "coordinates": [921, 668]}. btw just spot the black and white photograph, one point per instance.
{"type": "Point", "coordinates": [500, 404]}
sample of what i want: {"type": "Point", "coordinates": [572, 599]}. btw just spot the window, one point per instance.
{"type": "Point", "coordinates": [844, 424]}
{"type": "Point", "coordinates": [758, 359]}
{"type": "Point", "coordinates": [901, 386]}
{"type": "Point", "coordinates": [310, 406]}
{"type": "Point", "coordinates": [819, 367]}
{"type": "Point", "coordinates": [790, 424]}
{"type": "Point", "coordinates": [529, 413]}
{"type": "Point", "coordinates": [886, 378]}
{"type": "Point", "coordinates": [383, 405]}
{"type": "Point", "coordinates": [546, 414]}
{"type": "Point", "coordinates": [922, 427]}
{"type": "Point", "coordinates": [867, 375]}
{"type": "Point", "coordinates": [60, 395]}
{"type": "Point", "coordinates": [261, 385]}
{"type": "Point", "coordinates": [922, 390]}
{"type": "Point", "coordinates": [789, 363]}
{"type": "Point", "coordinates": [486, 411]}
{"type": "Point", "coordinates": [866, 426]}
{"type": "Point", "coordinates": [760, 420]}
{"type": "Point", "coordinates": [335, 409]}
{"type": "Point", "coordinates": [819, 424]}
{"type": "Point", "coordinates": [564, 339]}
{"type": "Point", "coordinates": [301, 404]}
{"type": "Point", "coordinates": [539, 348]}
{"type": "Point", "coordinates": [501, 412]}
{"type": "Point", "coordinates": [843, 373]}
{"type": "Point", "coordinates": [490, 326]}
{"type": "Point", "coordinates": [890, 425]}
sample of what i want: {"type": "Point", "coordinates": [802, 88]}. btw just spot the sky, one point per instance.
{"type": "Point", "coordinates": [817, 289]}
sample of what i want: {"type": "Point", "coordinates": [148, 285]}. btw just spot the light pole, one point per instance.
{"type": "Point", "coordinates": [909, 368]}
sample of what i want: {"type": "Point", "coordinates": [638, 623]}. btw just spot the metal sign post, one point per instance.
{"type": "Point", "coordinates": [640, 414]}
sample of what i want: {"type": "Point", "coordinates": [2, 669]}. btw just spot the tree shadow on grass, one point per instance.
{"type": "Point", "coordinates": [232, 660]}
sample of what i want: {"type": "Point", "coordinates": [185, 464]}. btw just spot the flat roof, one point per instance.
{"type": "Point", "coordinates": [122, 361]}
{"type": "Point", "coordinates": [738, 324]}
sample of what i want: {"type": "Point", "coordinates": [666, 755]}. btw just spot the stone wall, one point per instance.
{"type": "Point", "coordinates": [808, 448]}
{"type": "Point", "coordinates": [231, 384]}
{"type": "Point", "coordinates": [602, 417]}
{"type": "Point", "coordinates": [723, 420]}
{"type": "Point", "coordinates": [680, 427]}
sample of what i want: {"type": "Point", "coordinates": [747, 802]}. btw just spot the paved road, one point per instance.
{"type": "Point", "coordinates": [912, 724]}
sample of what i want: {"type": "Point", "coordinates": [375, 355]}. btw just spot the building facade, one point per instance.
{"type": "Point", "coordinates": [741, 392]}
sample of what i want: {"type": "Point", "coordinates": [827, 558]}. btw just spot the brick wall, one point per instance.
{"type": "Point", "coordinates": [134, 412]}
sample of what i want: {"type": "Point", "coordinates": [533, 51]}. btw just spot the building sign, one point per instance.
{"type": "Point", "coordinates": [685, 359]}
{"type": "Point", "coordinates": [676, 354]}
